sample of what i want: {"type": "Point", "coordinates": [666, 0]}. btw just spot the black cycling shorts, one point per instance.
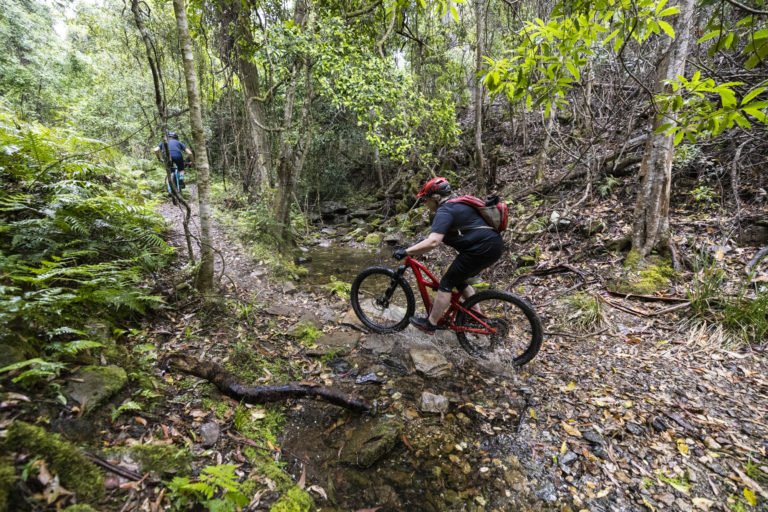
{"type": "Point", "coordinates": [468, 265]}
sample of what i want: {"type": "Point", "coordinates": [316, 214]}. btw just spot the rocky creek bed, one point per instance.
{"type": "Point", "coordinates": [643, 413]}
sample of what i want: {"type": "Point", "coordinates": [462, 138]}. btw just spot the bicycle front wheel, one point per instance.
{"type": "Point", "coordinates": [500, 327]}
{"type": "Point", "coordinates": [382, 300]}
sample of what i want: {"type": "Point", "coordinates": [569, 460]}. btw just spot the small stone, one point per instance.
{"type": "Point", "coordinates": [209, 434]}
{"type": "Point", "coordinates": [568, 458]}
{"type": "Point", "coordinates": [368, 377]}
{"type": "Point", "coordinates": [433, 403]}
{"type": "Point", "coordinates": [712, 444]}
{"type": "Point", "coordinates": [635, 429]}
{"type": "Point", "coordinates": [547, 492]}
{"type": "Point", "coordinates": [666, 498]}
{"type": "Point", "coordinates": [658, 424]}
{"type": "Point", "coordinates": [599, 451]}
{"type": "Point", "coordinates": [593, 437]}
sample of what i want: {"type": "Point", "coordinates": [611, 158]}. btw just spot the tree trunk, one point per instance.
{"type": "Point", "coordinates": [291, 155]}
{"type": "Point", "coordinates": [204, 280]}
{"type": "Point", "coordinates": [482, 174]}
{"type": "Point", "coordinates": [651, 227]}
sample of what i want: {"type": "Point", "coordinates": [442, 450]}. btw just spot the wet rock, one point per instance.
{"type": "Point", "coordinates": [429, 362]}
{"type": "Point", "coordinates": [340, 366]}
{"type": "Point", "coordinates": [280, 310]}
{"type": "Point", "coordinates": [289, 288]}
{"type": "Point", "coordinates": [11, 354]}
{"type": "Point", "coordinates": [350, 318]}
{"type": "Point", "coordinates": [209, 434]}
{"type": "Point", "coordinates": [331, 208]}
{"type": "Point", "coordinates": [302, 260]}
{"type": "Point", "coordinates": [92, 385]}
{"type": "Point", "coordinates": [339, 339]}
{"type": "Point", "coordinates": [658, 424]}
{"type": "Point", "coordinates": [369, 378]}
{"type": "Point", "coordinates": [593, 437]}
{"type": "Point", "coordinates": [378, 343]}
{"type": "Point", "coordinates": [370, 442]}
{"type": "Point", "coordinates": [393, 239]}
{"type": "Point", "coordinates": [433, 403]}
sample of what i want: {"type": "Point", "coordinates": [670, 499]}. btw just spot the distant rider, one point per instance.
{"type": "Point", "coordinates": [175, 151]}
{"type": "Point", "coordinates": [461, 227]}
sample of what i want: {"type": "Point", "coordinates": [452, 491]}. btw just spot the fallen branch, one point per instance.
{"type": "Point", "coordinates": [646, 298]}
{"type": "Point", "coordinates": [114, 468]}
{"type": "Point", "coordinates": [762, 253]}
{"type": "Point", "coordinates": [227, 384]}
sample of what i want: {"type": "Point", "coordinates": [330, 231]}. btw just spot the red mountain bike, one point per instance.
{"type": "Point", "coordinates": [490, 324]}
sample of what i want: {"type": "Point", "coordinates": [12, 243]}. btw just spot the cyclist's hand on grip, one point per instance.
{"type": "Point", "coordinates": [399, 254]}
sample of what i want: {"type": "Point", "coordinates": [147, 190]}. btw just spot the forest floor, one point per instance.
{"type": "Point", "coordinates": [637, 409]}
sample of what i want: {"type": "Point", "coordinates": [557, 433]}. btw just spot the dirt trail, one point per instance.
{"type": "Point", "coordinates": [639, 415]}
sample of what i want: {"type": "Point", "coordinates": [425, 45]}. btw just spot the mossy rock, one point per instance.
{"type": "Point", "coordinates": [645, 277]}
{"type": "Point", "coordinates": [64, 459]}
{"type": "Point", "coordinates": [295, 500]}
{"type": "Point", "coordinates": [162, 458]}
{"type": "Point", "coordinates": [95, 384]}
{"type": "Point", "coordinates": [373, 239]}
{"type": "Point", "coordinates": [370, 442]}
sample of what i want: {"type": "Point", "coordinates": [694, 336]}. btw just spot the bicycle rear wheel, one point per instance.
{"type": "Point", "coordinates": [518, 332]}
{"type": "Point", "coordinates": [382, 300]}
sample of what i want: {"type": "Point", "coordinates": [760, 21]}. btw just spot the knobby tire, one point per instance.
{"type": "Point", "coordinates": [368, 298]}
{"type": "Point", "coordinates": [519, 331]}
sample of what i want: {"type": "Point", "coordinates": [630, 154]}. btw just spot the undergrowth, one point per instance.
{"type": "Point", "coordinates": [78, 238]}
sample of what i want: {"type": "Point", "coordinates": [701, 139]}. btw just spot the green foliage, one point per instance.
{"type": "Point", "coordinates": [743, 314]}
{"type": "Point", "coordinates": [545, 59]}
{"type": "Point", "coordinates": [77, 238]}
{"type": "Point", "coordinates": [587, 314]}
{"type": "Point", "coordinates": [703, 108]}
{"type": "Point", "coordinates": [217, 489]}
{"type": "Point", "coordinates": [401, 123]}
{"type": "Point", "coordinates": [294, 500]}
{"type": "Point", "coordinates": [703, 194]}
{"type": "Point", "coordinates": [606, 186]}
{"type": "Point", "coordinates": [339, 288]}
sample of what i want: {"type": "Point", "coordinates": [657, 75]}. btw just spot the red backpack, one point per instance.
{"type": "Point", "coordinates": [493, 210]}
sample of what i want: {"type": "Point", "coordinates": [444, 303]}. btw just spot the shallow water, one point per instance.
{"type": "Point", "coordinates": [343, 263]}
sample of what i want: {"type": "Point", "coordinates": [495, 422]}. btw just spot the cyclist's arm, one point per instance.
{"type": "Point", "coordinates": [426, 245]}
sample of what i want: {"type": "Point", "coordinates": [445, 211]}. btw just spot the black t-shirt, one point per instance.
{"type": "Point", "coordinates": [464, 228]}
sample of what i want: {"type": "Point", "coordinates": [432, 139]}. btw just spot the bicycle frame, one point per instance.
{"type": "Point", "coordinates": [425, 280]}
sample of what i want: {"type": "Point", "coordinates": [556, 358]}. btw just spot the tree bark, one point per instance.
{"type": "Point", "coordinates": [482, 173]}
{"type": "Point", "coordinates": [228, 384]}
{"type": "Point", "coordinates": [651, 226]}
{"type": "Point", "coordinates": [204, 278]}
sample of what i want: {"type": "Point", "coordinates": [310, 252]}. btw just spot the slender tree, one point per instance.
{"type": "Point", "coordinates": [204, 280]}
{"type": "Point", "coordinates": [651, 226]}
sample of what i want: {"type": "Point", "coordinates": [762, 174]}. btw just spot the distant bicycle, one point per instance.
{"type": "Point", "coordinates": [174, 182]}
{"type": "Point", "coordinates": [491, 324]}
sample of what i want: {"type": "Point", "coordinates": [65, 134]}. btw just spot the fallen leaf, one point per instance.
{"type": "Point", "coordinates": [749, 495]}
{"type": "Point", "coordinates": [682, 446]}
{"type": "Point", "coordinates": [318, 490]}
{"type": "Point", "coordinates": [569, 387]}
{"type": "Point", "coordinates": [571, 430]}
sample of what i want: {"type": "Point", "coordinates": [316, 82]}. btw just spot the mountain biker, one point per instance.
{"type": "Point", "coordinates": [175, 151]}
{"type": "Point", "coordinates": [460, 226]}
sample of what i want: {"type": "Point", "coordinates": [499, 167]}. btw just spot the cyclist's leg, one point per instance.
{"type": "Point", "coordinates": [179, 162]}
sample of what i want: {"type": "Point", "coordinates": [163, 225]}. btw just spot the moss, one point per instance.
{"type": "Point", "coordinates": [80, 508]}
{"type": "Point", "coordinates": [249, 366]}
{"type": "Point", "coordinates": [259, 424]}
{"type": "Point", "coordinates": [647, 277]}
{"type": "Point", "coordinates": [373, 239]}
{"type": "Point", "coordinates": [64, 459]}
{"type": "Point", "coordinates": [7, 478]}
{"type": "Point", "coordinates": [269, 468]}
{"type": "Point", "coordinates": [295, 500]}
{"type": "Point", "coordinates": [162, 458]}
{"type": "Point", "coordinates": [633, 259]}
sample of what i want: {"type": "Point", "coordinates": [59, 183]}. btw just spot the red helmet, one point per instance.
{"type": "Point", "coordinates": [438, 185]}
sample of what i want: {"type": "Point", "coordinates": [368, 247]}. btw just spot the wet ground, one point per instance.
{"type": "Point", "coordinates": [639, 411]}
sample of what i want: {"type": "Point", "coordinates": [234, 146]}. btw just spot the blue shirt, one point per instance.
{"type": "Point", "coordinates": [175, 148]}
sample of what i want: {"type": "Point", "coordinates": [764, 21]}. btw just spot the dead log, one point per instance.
{"type": "Point", "coordinates": [228, 385]}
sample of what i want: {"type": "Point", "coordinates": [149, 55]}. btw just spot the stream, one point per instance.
{"type": "Point", "coordinates": [445, 435]}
